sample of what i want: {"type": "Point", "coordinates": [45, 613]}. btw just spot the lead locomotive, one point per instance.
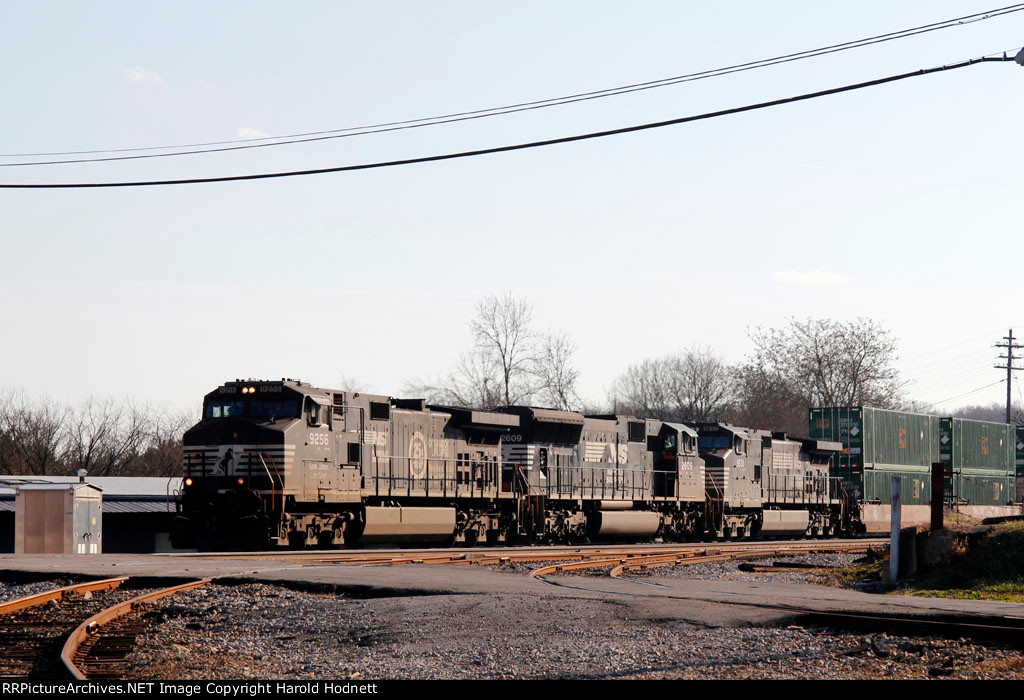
{"type": "Point", "coordinates": [282, 463]}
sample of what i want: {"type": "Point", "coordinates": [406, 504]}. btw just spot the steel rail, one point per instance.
{"type": "Point", "coordinates": [85, 631]}
{"type": "Point", "coordinates": [488, 556]}
{"type": "Point", "coordinates": [31, 601]}
{"type": "Point", "coordinates": [657, 562]}
{"type": "Point", "coordinates": [495, 558]}
{"type": "Point", "coordinates": [642, 561]}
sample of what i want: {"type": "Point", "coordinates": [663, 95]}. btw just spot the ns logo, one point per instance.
{"type": "Point", "coordinates": [417, 456]}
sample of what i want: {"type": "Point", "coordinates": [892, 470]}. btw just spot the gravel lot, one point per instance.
{"type": "Point", "coordinates": [260, 631]}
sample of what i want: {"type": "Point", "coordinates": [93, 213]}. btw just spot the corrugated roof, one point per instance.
{"type": "Point", "coordinates": [114, 487]}
{"type": "Point", "coordinates": [138, 507]}
{"type": "Point", "coordinates": [58, 487]}
{"type": "Point", "coordinates": [7, 506]}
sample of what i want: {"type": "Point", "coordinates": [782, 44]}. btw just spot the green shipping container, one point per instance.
{"type": "Point", "coordinates": [874, 438]}
{"type": "Point", "coordinates": [978, 488]}
{"type": "Point", "coordinates": [877, 445]}
{"type": "Point", "coordinates": [1020, 452]}
{"type": "Point", "coordinates": [1019, 498]}
{"type": "Point", "coordinates": [982, 457]}
{"type": "Point", "coordinates": [978, 446]}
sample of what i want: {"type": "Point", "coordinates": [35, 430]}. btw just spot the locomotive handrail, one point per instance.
{"type": "Point", "coordinates": [564, 483]}
{"type": "Point", "coordinates": [167, 487]}
{"type": "Point", "coordinates": [273, 489]}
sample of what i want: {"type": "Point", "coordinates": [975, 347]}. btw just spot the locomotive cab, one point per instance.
{"type": "Point", "coordinates": [236, 459]}
{"type": "Point", "coordinates": [678, 470]}
{"type": "Point", "coordinates": [733, 458]}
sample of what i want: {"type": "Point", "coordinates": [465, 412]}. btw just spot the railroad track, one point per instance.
{"type": "Point", "coordinates": [650, 560]}
{"type": "Point", "coordinates": [491, 556]}
{"type": "Point", "coordinates": [32, 629]}
{"type": "Point", "coordinates": [82, 630]}
{"type": "Point", "coordinates": [1007, 630]}
{"type": "Point", "coordinates": [96, 649]}
{"type": "Point", "coordinates": [621, 561]}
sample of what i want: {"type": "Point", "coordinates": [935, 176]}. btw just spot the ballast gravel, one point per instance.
{"type": "Point", "coordinates": [12, 591]}
{"type": "Point", "coordinates": [258, 631]}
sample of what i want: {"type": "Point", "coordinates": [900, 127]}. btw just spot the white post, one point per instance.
{"type": "Point", "coordinates": [894, 541]}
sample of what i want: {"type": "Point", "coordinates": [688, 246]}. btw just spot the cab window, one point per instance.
{"type": "Point", "coordinates": [224, 409]}
{"type": "Point", "coordinates": [317, 414]}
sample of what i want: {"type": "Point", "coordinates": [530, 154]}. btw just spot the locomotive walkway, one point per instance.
{"type": "Point", "coordinates": [708, 603]}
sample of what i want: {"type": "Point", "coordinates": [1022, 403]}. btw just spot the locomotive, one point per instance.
{"type": "Point", "coordinates": [283, 463]}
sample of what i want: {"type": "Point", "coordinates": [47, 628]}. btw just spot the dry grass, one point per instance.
{"type": "Point", "coordinates": [991, 570]}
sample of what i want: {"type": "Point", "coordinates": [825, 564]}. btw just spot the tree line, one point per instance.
{"type": "Point", "coordinates": [104, 437]}
{"type": "Point", "coordinates": [812, 362]}
{"type": "Point", "coordinates": [809, 362]}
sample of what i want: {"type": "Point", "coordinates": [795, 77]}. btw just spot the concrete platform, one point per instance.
{"type": "Point", "coordinates": [709, 603]}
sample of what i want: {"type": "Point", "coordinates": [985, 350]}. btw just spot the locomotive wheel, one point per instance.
{"type": "Point", "coordinates": [296, 540]}
{"type": "Point", "coordinates": [254, 536]}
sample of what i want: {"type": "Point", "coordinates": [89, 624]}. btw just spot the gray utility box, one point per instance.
{"type": "Point", "coordinates": [58, 519]}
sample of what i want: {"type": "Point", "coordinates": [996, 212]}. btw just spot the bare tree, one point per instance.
{"type": "Point", "coordinates": [504, 357]}
{"type": "Point", "coordinates": [833, 363]}
{"type": "Point", "coordinates": [437, 391]}
{"type": "Point", "coordinates": [648, 389]}
{"type": "Point", "coordinates": [817, 362]}
{"type": "Point", "coordinates": [509, 363]}
{"type": "Point", "coordinates": [163, 452]}
{"type": "Point", "coordinates": [30, 435]}
{"type": "Point", "coordinates": [557, 376]}
{"type": "Point", "coordinates": [765, 399]}
{"type": "Point", "coordinates": [705, 383]}
{"type": "Point", "coordinates": [105, 437]}
{"type": "Point", "coordinates": [476, 382]}
{"type": "Point", "coordinates": [347, 383]}
{"type": "Point", "coordinates": [694, 384]}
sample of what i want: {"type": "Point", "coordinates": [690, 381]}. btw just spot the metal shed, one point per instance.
{"type": "Point", "coordinates": [58, 519]}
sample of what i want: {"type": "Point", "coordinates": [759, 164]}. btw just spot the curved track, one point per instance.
{"type": "Point", "coordinates": [95, 648]}
{"type": "Point", "coordinates": [32, 627]}
{"type": "Point", "coordinates": [83, 629]}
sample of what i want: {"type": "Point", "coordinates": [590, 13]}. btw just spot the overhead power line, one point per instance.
{"type": "Point", "coordinates": [950, 347]}
{"type": "Point", "coordinates": [348, 132]}
{"type": "Point", "coordinates": [958, 396]}
{"type": "Point", "coordinates": [518, 146]}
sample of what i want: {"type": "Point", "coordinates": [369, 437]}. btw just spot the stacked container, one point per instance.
{"type": "Point", "coordinates": [980, 457]}
{"type": "Point", "coordinates": [1020, 465]}
{"type": "Point", "coordinates": [878, 445]}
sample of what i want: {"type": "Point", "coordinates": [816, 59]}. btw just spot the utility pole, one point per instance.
{"type": "Point", "coordinates": [1010, 347]}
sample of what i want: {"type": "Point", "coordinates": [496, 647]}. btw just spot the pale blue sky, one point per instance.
{"type": "Point", "coordinates": [896, 203]}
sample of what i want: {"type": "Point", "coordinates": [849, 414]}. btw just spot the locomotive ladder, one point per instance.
{"type": "Point", "coordinates": [530, 507]}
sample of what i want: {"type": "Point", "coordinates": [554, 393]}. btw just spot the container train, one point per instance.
{"type": "Point", "coordinates": [982, 461]}
{"type": "Point", "coordinates": [286, 464]}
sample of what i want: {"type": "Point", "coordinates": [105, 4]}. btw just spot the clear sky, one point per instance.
{"type": "Point", "coordinates": [898, 203]}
